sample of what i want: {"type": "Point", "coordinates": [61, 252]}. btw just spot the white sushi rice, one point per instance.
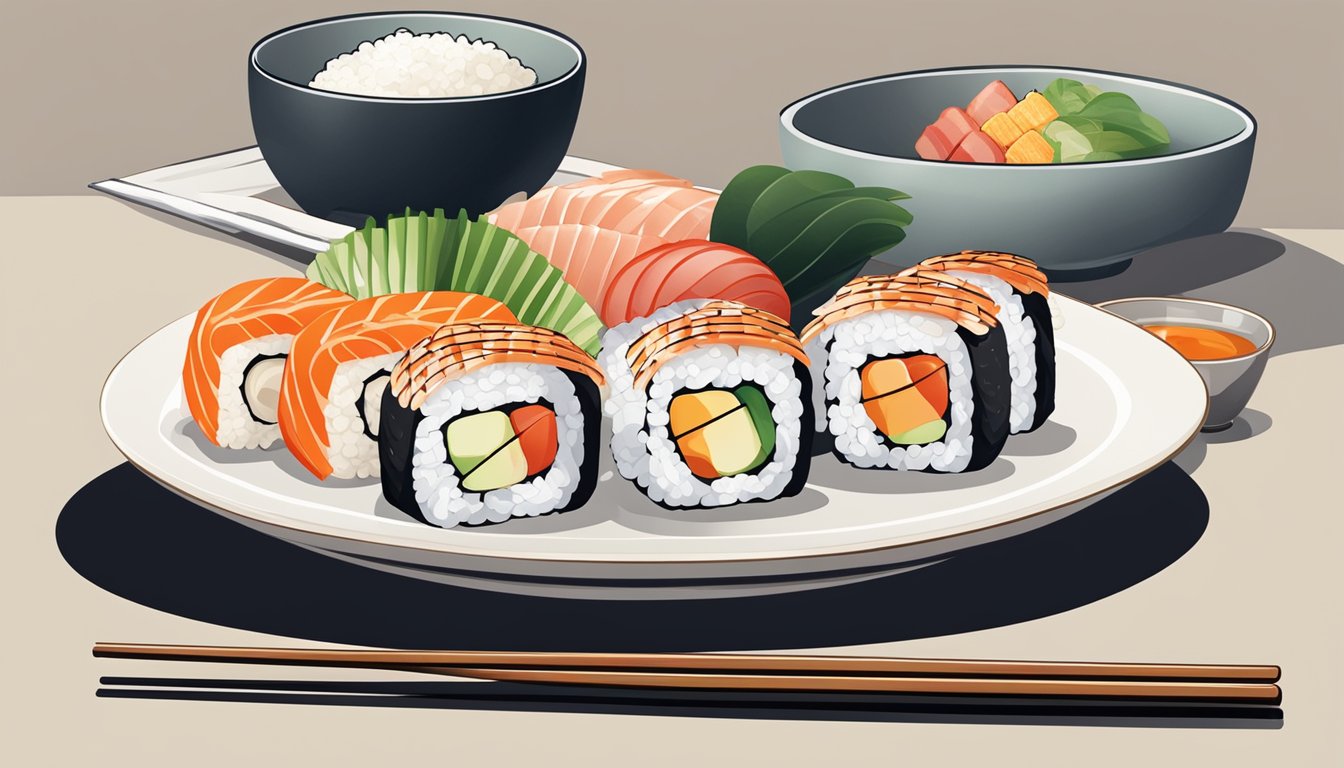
{"type": "Point", "coordinates": [838, 391]}
{"type": "Point", "coordinates": [350, 451]}
{"type": "Point", "coordinates": [1020, 332]}
{"type": "Point", "coordinates": [438, 490]}
{"type": "Point", "coordinates": [641, 442]}
{"type": "Point", "coordinates": [237, 427]}
{"type": "Point", "coordinates": [405, 65]}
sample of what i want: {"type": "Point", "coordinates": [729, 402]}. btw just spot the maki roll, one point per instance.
{"type": "Point", "coordinates": [236, 356]}
{"type": "Point", "coordinates": [1021, 291]}
{"type": "Point", "coordinates": [710, 403]}
{"type": "Point", "coordinates": [911, 373]}
{"type": "Point", "coordinates": [331, 395]}
{"type": "Point", "coordinates": [486, 421]}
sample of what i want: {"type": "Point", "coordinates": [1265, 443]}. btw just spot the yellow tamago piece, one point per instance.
{"type": "Point", "coordinates": [1031, 148]}
{"type": "Point", "coordinates": [1033, 112]}
{"type": "Point", "coordinates": [1002, 129]}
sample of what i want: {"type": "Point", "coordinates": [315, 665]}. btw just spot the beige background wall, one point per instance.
{"type": "Point", "coordinates": [100, 89]}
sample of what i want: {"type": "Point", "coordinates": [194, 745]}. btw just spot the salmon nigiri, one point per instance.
{"type": "Point", "coordinates": [332, 393]}
{"type": "Point", "coordinates": [237, 350]}
{"type": "Point", "coordinates": [690, 269]}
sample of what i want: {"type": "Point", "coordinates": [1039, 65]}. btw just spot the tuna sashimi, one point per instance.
{"type": "Point", "coordinates": [938, 140]}
{"type": "Point", "coordinates": [978, 147]}
{"type": "Point", "coordinates": [993, 98]}
{"type": "Point", "coordinates": [690, 269]}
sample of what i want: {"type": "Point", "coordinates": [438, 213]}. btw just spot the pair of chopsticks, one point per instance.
{"type": "Point", "coordinates": [757, 672]}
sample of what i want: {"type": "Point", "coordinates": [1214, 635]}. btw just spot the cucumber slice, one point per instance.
{"type": "Point", "coordinates": [758, 408]}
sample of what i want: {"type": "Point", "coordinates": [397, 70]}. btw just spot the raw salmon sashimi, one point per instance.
{"type": "Point", "coordinates": [332, 392]}
{"type": "Point", "coordinates": [690, 269]}
{"type": "Point", "coordinates": [588, 256]}
{"type": "Point", "coordinates": [635, 202]}
{"type": "Point", "coordinates": [237, 350]}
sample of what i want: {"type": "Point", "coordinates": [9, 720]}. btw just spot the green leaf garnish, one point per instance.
{"type": "Point", "coordinates": [424, 252]}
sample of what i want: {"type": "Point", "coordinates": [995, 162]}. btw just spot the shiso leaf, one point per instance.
{"type": "Point", "coordinates": [790, 191]}
{"type": "Point", "coordinates": [816, 230]}
{"type": "Point", "coordinates": [729, 223]}
{"type": "Point", "coordinates": [424, 252]}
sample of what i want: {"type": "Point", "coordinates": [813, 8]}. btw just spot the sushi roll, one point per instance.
{"type": "Point", "coordinates": [911, 373]}
{"type": "Point", "coordinates": [236, 356]}
{"type": "Point", "coordinates": [331, 394]}
{"type": "Point", "coordinates": [1021, 292]}
{"type": "Point", "coordinates": [486, 421]}
{"type": "Point", "coordinates": [710, 403]}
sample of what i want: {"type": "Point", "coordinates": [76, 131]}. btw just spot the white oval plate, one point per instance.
{"type": "Point", "coordinates": [1126, 403]}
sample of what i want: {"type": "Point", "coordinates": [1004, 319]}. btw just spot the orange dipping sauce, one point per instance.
{"type": "Point", "coordinates": [1202, 343]}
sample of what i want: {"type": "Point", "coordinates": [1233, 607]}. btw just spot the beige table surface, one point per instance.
{"type": "Point", "coordinates": [86, 278]}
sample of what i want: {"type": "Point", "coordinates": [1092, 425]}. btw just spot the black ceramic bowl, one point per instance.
{"type": "Point", "coordinates": [342, 156]}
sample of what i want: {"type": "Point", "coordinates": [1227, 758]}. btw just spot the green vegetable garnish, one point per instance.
{"type": "Point", "coordinates": [814, 229]}
{"type": "Point", "coordinates": [1094, 125]}
{"type": "Point", "coordinates": [758, 408]}
{"type": "Point", "coordinates": [424, 252]}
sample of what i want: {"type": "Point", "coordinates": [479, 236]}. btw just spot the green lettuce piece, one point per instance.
{"type": "Point", "coordinates": [1112, 122]}
{"type": "Point", "coordinates": [1075, 138]}
{"type": "Point", "coordinates": [1068, 97]}
{"type": "Point", "coordinates": [816, 230]}
{"type": "Point", "coordinates": [430, 252]}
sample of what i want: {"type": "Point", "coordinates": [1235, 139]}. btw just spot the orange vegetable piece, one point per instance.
{"type": "Point", "coordinates": [1031, 148]}
{"type": "Point", "coordinates": [1002, 129]}
{"type": "Point", "coordinates": [1033, 112]}
{"type": "Point", "coordinates": [900, 394]}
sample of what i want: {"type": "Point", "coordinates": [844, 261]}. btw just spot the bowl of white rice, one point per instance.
{"type": "Point", "coordinates": [372, 114]}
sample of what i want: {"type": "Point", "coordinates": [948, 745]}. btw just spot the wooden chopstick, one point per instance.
{"type": "Point", "coordinates": [999, 686]}
{"type": "Point", "coordinates": [712, 662]}
{"type": "Point", "coordinates": [759, 672]}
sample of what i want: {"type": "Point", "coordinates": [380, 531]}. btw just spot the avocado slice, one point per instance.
{"type": "Point", "coordinates": [758, 408]}
{"type": "Point", "coordinates": [925, 433]}
{"type": "Point", "coordinates": [506, 466]}
{"type": "Point", "coordinates": [472, 439]}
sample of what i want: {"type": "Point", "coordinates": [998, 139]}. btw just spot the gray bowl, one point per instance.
{"type": "Point", "coordinates": [1230, 381]}
{"type": "Point", "coordinates": [344, 157]}
{"type": "Point", "coordinates": [1085, 218]}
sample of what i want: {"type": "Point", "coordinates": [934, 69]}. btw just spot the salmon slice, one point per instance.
{"type": "Point", "coordinates": [691, 269]}
{"type": "Point", "coordinates": [363, 329]}
{"type": "Point", "coordinates": [249, 310]}
{"type": "Point", "coordinates": [587, 255]}
{"type": "Point", "coordinates": [633, 202]}
{"type": "Point", "coordinates": [628, 175]}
